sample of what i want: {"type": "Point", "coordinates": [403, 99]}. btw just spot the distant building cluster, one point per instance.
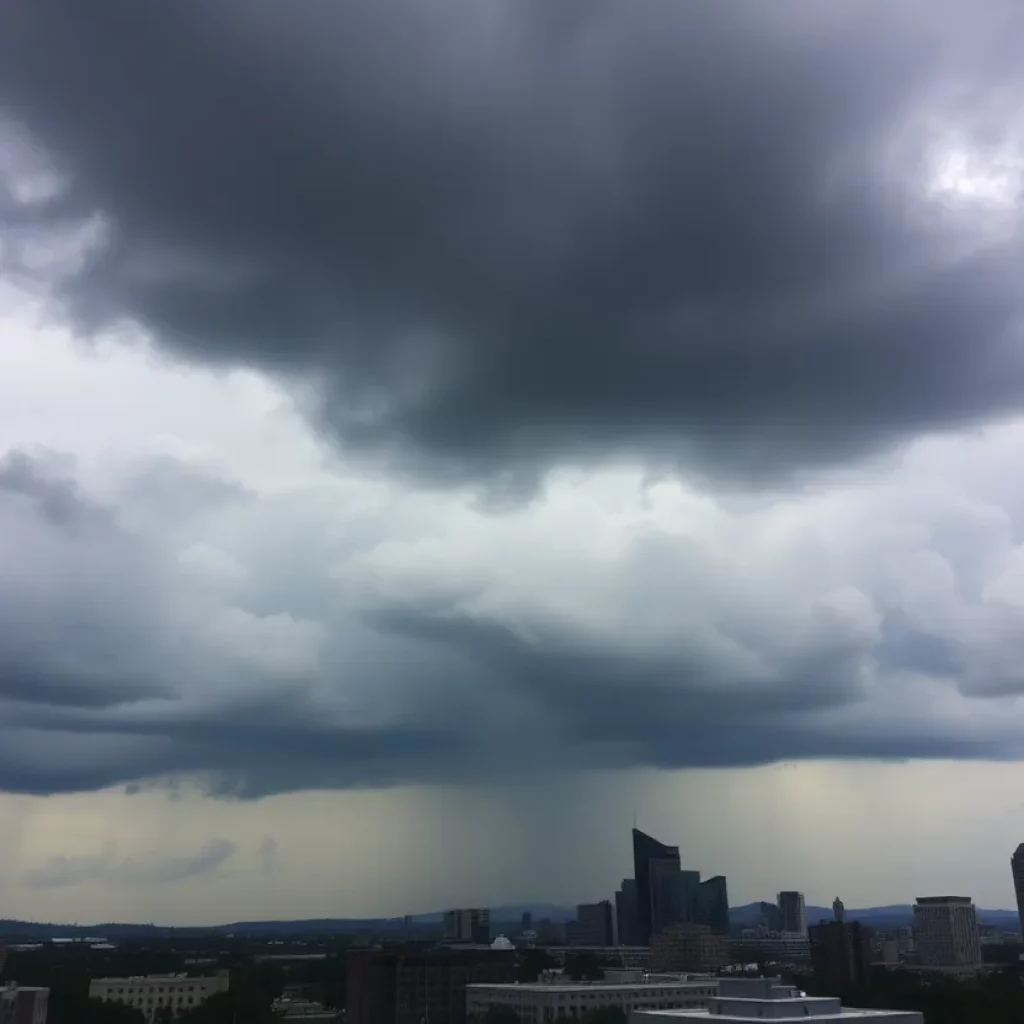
{"type": "Point", "coordinates": [473, 925]}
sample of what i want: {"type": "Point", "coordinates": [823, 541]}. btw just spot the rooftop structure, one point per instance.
{"type": "Point", "coordinates": [543, 1002]}
{"type": "Point", "coordinates": [749, 1000]}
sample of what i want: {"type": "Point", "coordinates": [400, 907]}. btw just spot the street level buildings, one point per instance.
{"type": "Point", "coordinates": [946, 932]}
{"type": "Point", "coordinates": [153, 994]}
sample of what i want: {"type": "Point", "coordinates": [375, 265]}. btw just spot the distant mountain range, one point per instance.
{"type": "Point", "coordinates": [502, 918]}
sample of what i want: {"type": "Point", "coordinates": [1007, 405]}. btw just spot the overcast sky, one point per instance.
{"type": "Point", "coordinates": [430, 434]}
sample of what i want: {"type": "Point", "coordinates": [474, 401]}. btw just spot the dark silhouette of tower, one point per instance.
{"type": "Point", "coordinates": [1017, 866]}
{"type": "Point", "coordinates": [653, 865]}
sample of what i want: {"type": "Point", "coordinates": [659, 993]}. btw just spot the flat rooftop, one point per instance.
{"type": "Point", "coordinates": [596, 986]}
{"type": "Point", "coordinates": [847, 1013]}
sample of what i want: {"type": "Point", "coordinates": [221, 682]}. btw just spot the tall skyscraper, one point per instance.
{"type": "Point", "coordinates": [713, 904]}
{"type": "Point", "coordinates": [1017, 866]}
{"type": "Point", "coordinates": [946, 931]}
{"type": "Point", "coordinates": [792, 914]}
{"type": "Point", "coordinates": [654, 868]}
{"type": "Point", "coordinates": [626, 919]}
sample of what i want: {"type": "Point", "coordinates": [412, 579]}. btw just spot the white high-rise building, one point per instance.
{"type": "Point", "coordinates": [792, 914]}
{"type": "Point", "coordinates": [946, 932]}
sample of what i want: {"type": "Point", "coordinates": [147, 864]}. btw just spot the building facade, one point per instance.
{"type": "Point", "coordinates": [712, 906]}
{"type": "Point", "coordinates": [841, 953]}
{"type": "Point", "coordinates": [1017, 867]}
{"type": "Point", "coordinates": [23, 1004]}
{"type": "Point", "coordinates": [755, 1000]}
{"type": "Point", "coordinates": [629, 958]}
{"type": "Point", "coordinates": [410, 986]}
{"type": "Point", "coordinates": [158, 992]}
{"type": "Point", "coordinates": [784, 949]}
{"type": "Point", "coordinates": [768, 917]}
{"type": "Point", "coordinates": [688, 947]}
{"type": "Point", "coordinates": [655, 867]}
{"type": "Point", "coordinates": [792, 912]}
{"type": "Point", "coordinates": [627, 923]}
{"type": "Point", "coordinates": [471, 925]}
{"type": "Point", "coordinates": [593, 925]}
{"type": "Point", "coordinates": [544, 1002]}
{"type": "Point", "coordinates": [946, 932]}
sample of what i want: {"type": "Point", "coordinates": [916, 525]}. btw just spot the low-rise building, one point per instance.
{"type": "Point", "coordinates": [155, 992]}
{"type": "Point", "coordinates": [23, 1004]}
{"type": "Point", "coordinates": [546, 1001]}
{"type": "Point", "coordinates": [306, 1010]}
{"type": "Point", "coordinates": [628, 957]}
{"type": "Point", "coordinates": [787, 948]}
{"type": "Point", "coordinates": [755, 1000]}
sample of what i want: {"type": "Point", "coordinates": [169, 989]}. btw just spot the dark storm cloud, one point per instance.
{"type": "Point", "coordinates": [496, 235]}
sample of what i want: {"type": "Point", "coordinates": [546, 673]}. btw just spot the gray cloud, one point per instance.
{"type": "Point", "coordinates": [491, 237]}
{"type": "Point", "coordinates": [432, 643]}
{"type": "Point", "coordinates": [108, 867]}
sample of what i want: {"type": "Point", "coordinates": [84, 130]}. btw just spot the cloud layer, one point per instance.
{"type": "Point", "coordinates": [727, 298]}
{"type": "Point", "coordinates": [496, 237]}
{"type": "Point", "coordinates": [355, 632]}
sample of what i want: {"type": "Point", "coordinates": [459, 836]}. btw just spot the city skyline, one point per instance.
{"type": "Point", "coordinates": [526, 415]}
{"type": "Point", "coordinates": [96, 891]}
